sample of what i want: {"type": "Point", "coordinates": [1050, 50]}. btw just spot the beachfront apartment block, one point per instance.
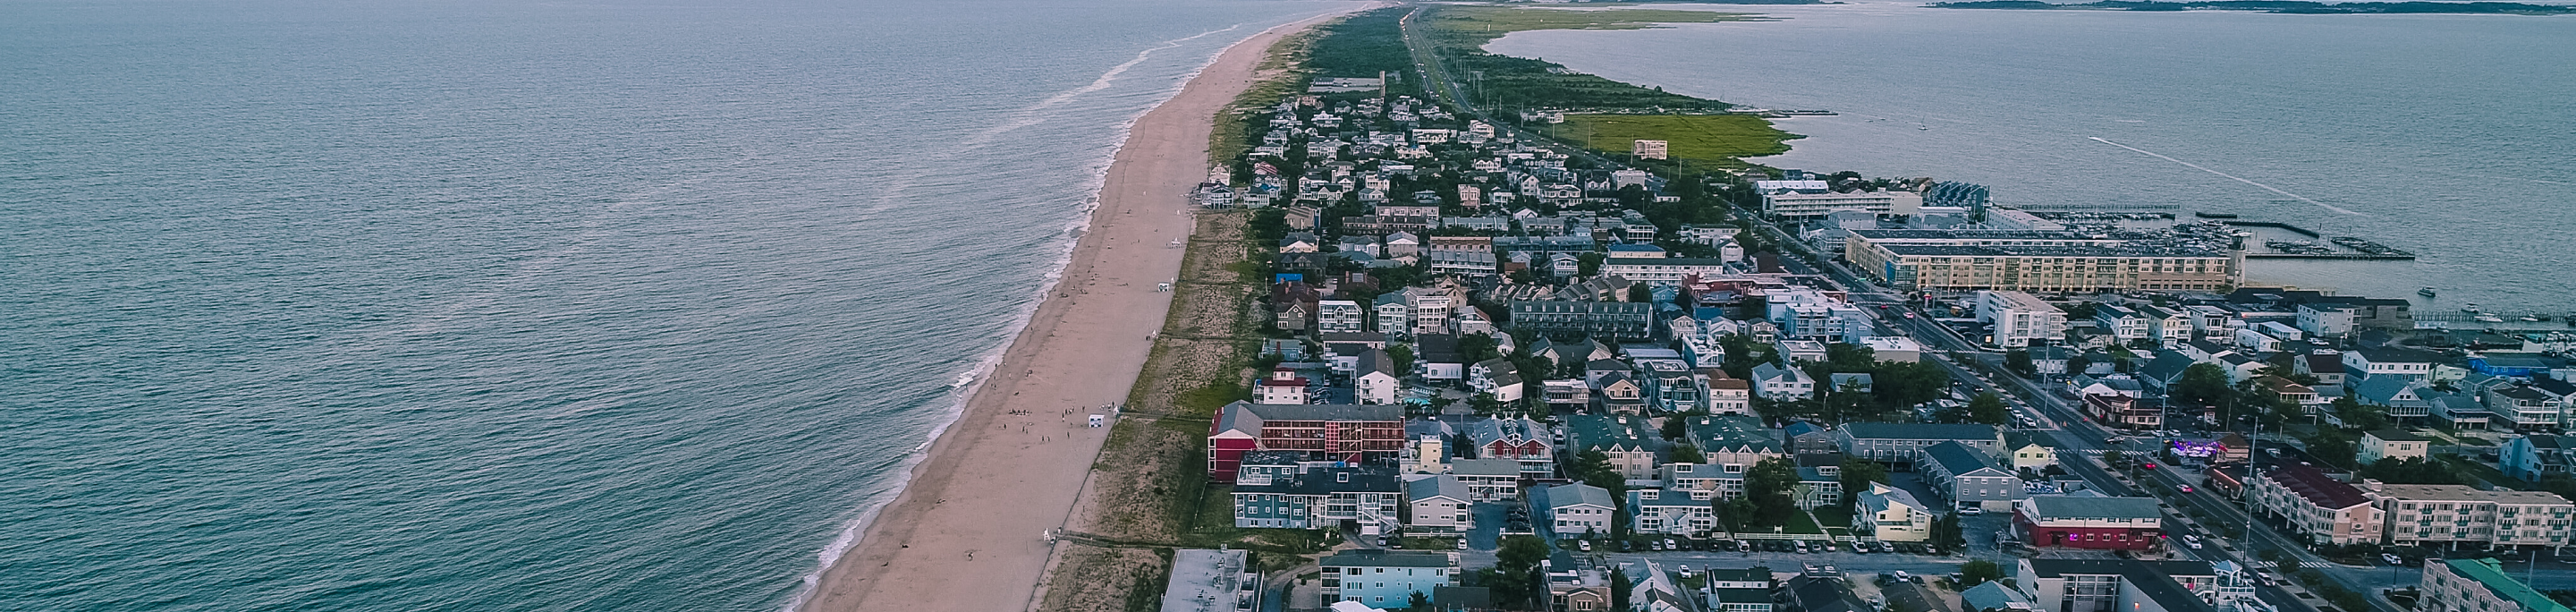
{"type": "Point", "coordinates": [2438, 515]}
{"type": "Point", "coordinates": [1903, 442]}
{"type": "Point", "coordinates": [1336, 432]}
{"type": "Point", "coordinates": [2040, 261]}
{"type": "Point", "coordinates": [1662, 270]}
{"type": "Point", "coordinates": [1386, 579]}
{"type": "Point", "coordinates": [2020, 319]}
{"type": "Point", "coordinates": [1323, 497]}
{"type": "Point", "coordinates": [2325, 510]}
{"type": "Point", "coordinates": [1806, 199]}
{"type": "Point", "coordinates": [2479, 585]}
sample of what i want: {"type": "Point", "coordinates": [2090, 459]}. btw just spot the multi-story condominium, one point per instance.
{"type": "Point", "coordinates": [1968, 477]}
{"type": "Point", "coordinates": [1386, 579]}
{"type": "Point", "coordinates": [2325, 510]}
{"type": "Point", "coordinates": [2434, 515]}
{"type": "Point", "coordinates": [1573, 510]}
{"type": "Point", "coordinates": [1799, 204]}
{"type": "Point", "coordinates": [1665, 511]}
{"type": "Point", "coordinates": [1604, 320]}
{"type": "Point", "coordinates": [2045, 261]}
{"type": "Point", "coordinates": [2479, 585]}
{"type": "Point", "coordinates": [2123, 585]}
{"type": "Point", "coordinates": [1902, 442]}
{"type": "Point", "coordinates": [1321, 498]}
{"type": "Point", "coordinates": [1214, 580]}
{"type": "Point", "coordinates": [2020, 319]}
{"type": "Point", "coordinates": [1340, 316]}
{"type": "Point", "coordinates": [1662, 270]}
{"type": "Point", "coordinates": [1627, 440]}
{"type": "Point", "coordinates": [1337, 432]}
{"type": "Point", "coordinates": [1890, 514]}
{"type": "Point", "coordinates": [1467, 255]}
{"type": "Point", "coordinates": [1733, 442]}
{"type": "Point", "coordinates": [2120, 523]}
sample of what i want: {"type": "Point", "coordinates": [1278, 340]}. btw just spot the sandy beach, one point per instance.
{"type": "Point", "coordinates": [965, 534]}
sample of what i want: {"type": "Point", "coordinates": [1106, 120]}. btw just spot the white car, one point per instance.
{"type": "Point", "coordinates": [2191, 540]}
{"type": "Point", "coordinates": [2391, 559]}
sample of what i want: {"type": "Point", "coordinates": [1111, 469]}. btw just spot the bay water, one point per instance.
{"type": "Point", "coordinates": [479, 305]}
{"type": "Point", "coordinates": [2446, 135]}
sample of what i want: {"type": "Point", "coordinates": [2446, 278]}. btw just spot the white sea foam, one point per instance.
{"type": "Point", "coordinates": [1069, 240]}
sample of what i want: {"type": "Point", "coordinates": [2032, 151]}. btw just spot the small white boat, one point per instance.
{"type": "Point", "coordinates": [2490, 319]}
{"type": "Point", "coordinates": [2472, 308]}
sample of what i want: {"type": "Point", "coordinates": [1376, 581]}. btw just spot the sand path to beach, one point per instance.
{"type": "Point", "coordinates": [965, 534]}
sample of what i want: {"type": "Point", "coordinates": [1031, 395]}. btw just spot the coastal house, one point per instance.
{"type": "Point", "coordinates": [1496, 376]}
{"type": "Point", "coordinates": [1519, 439]}
{"type": "Point", "coordinates": [1632, 447]}
{"type": "Point", "coordinates": [1375, 379]}
{"type": "Point", "coordinates": [1572, 510]}
{"type": "Point", "coordinates": [1282, 386]}
{"type": "Point", "coordinates": [1781, 384]}
{"type": "Point", "coordinates": [1439, 504]}
{"type": "Point", "coordinates": [1668, 512]}
{"type": "Point", "coordinates": [1890, 514]}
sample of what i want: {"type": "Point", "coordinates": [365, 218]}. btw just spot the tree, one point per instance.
{"type": "Point", "coordinates": [1945, 532]}
{"type": "Point", "coordinates": [1640, 294]}
{"type": "Point", "coordinates": [1684, 453]}
{"type": "Point", "coordinates": [2360, 416]}
{"type": "Point", "coordinates": [1900, 384]}
{"type": "Point", "coordinates": [2334, 447]}
{"type": "Point", "coordinates": [1978, 572]}
{"type": "Point", "coordinates": [1419, 602]}
{"type": "Point", "coordinates": [1768, 486]}
{"type": "Point", "coordinates": [2412, 470]}
{"type": "Point", "coordinates": [1588, 264]}
{"type": "Point", "coordinates": [1515, 576]}
{"type": "Point", "coordinates": [1403, 356]}
{"type": "Point", "coordinates": [1619, 587]}
{"type": "Point", "coordinates": [1484, 403]}
{"type": "Point", "coordinates": [2077, 364]}
{"type": "Point", "coordinates": [2202, 384]}
{"type": "Point", "coordinates": [1857, 476]}
{"type": "Point", "coordinates": [2114, 459]}
{"type": "Point", "coordinates": [1988, 408]}
{"type": "Point", "coordinates": [2018, 361]}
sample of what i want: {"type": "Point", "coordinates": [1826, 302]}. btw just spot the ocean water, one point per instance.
{"type": "Point", "coordinates": [478, 305]}
{"type": "Point", "coordinates": [2446, 135]}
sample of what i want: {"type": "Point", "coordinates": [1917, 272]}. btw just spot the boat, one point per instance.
{"type": "Point", "coordinates": [2490, 319]}
{"type": "Point", "coordinates": [2471, 308]}
{"type": "Point", "coordinates": [2426, 292]}
{"type": "Point", "coordinates": [2530, 319]}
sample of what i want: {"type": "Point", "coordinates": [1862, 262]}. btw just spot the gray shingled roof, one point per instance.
{"type": "Point", "coordinates": [1957, 458]}
{"type": "Point", "coordinates": [1920, 431]}
{"type": "Point", "coordinates": [1561, 496]}
{"type": "Point", "coordinates": [2090, 507]}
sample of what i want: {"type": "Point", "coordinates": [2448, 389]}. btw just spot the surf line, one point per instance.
{"type": "Point", "coordinates": [2231, 176]}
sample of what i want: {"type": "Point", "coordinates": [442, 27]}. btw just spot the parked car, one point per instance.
{"type": "Point", "coordinates": [1462, 545]}
{"type": "Point", "coordinates": [1972, 510]}
{"type": "Point", "coordinates": [1586, 545]}
{"type": "Point", "coordinates": [2186, 488]}
{"type": "Point", "coordinates": [2391, 559]}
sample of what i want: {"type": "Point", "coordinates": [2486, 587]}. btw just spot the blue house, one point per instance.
{"type": "Point", "coordinates": [1386, 578]}
{"type": "Point", "coordinates": [2511, 365]}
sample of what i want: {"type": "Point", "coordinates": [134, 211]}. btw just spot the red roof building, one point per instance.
{"type": "Point", "coordinates": [1332, 432]}
{"type": "Point", "coordinates": [2108, 523]}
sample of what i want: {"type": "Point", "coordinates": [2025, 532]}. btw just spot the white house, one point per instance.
{"type": "Point", "coordinates": [1496, 376]}
{"type": "Point", "coordinates": [1439, 504]}
{"type": "Point", "coordinates": [1892, 515]}
{"type": "Point", "coordinates": [1778, 383]}
{"type": "Point", "coordinates": [1376, 380]}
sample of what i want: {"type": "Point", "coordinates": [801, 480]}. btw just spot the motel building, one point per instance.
{"type": "Point", "coordinates": [2104, 523]}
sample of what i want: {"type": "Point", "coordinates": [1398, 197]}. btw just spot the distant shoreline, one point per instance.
{"type": "Point", "coordinates": [2295, 7]}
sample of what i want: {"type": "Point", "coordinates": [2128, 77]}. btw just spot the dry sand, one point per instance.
{"type": "Point", "coordinates": [964, 535]}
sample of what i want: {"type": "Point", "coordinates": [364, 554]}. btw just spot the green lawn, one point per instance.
{"type": "Point", "coordinates": [1833, 517]}
{"type": "Point", "coordinates": [1712, 139]}
{"type": "Point", "coordinates": [1801, 523]}
{"type": "Point", "coordinates": [1490, 22]}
